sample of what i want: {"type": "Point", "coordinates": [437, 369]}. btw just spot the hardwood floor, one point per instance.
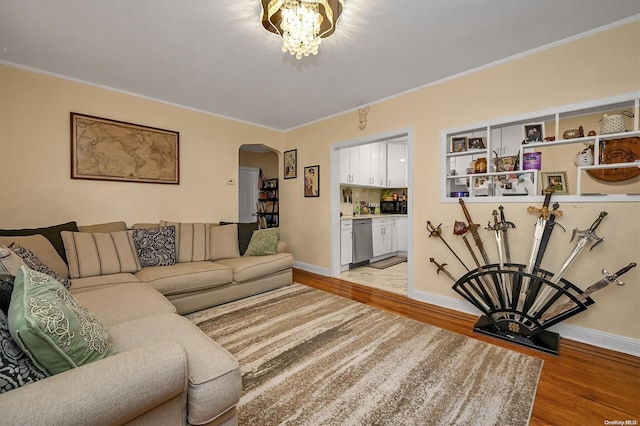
{"type": "Point", "coordinates": [584, 385]}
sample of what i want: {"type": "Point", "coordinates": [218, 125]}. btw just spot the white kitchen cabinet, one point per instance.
{"type": "Point", "coordinates": [382, 236]}
{"type": "Point", "coordinates": [346, 242]}
{"type": "Point", "coordinates": [345, 166]}
{"type": "Point", "coordinates": [364, 165]}
{"type": "Point", "coordinates": [379, 164]}
{"type": "Point", "coordinates": [397, 173]}
{"type": "Point", "coordinates": [401, 235]}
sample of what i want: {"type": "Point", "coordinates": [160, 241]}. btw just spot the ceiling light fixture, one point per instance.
{"type": "Point", "coordinates": [302, 24]}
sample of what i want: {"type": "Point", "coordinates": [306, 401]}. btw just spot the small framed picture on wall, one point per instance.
{"type": "Point", "coordinates": [291, 164]}
{"type": "Point", "coordinates": [312, 181]}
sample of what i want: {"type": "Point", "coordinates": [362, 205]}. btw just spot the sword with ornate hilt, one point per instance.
{"type": "Point", "coordinates": [536, 246]}
{"type": "Point", "coordinates": [441, 267]}
{"type": "Point", "coordinates": [605, 281]}
{"type": "Point", "coordinates": [546, 236]}
{"type": "Point", "coordinates": [504, 226]}
{"type": "Point", "coordinates": [460, 228]}
{"type": "Point", "coordinates": [497, 229]}
{"type": "Point", "coordinates": [473, 228]}
{"type": "Point", "coordinates": [586, 237]}
{"type": "Point", "coordinates": [437, 232]}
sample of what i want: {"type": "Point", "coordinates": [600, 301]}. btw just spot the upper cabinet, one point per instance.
{"type": "Point", "coordinates": [397, 173]}
{"type": "Point", "coordinates": [378, 165]}
{"type": "Point", "coordinates": [588, 152]}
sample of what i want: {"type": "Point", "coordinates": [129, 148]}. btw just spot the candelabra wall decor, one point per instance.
{"type": "Point", "coordinates": [519, 301]}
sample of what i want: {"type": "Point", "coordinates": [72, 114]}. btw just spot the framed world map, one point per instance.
{"type": "Point", "coordinates": [104, 149]}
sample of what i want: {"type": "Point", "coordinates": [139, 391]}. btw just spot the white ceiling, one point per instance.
{"type": "Point", "coordinates": [214, 55]}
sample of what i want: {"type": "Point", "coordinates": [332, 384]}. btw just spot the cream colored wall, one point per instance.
{"type": "Point", "coordinates": [35, 155]}
{"type": "Point", "coordinates": [267, 161]}
{"type": "Point", "coordinates": [598, 66]}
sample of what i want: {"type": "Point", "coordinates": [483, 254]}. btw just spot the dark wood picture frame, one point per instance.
{"type": "Point", "coordinates": [312, 181]}
{"type": "Point", "coordinates": [291, 164]}
{"type": "Point", "coordinates": [105, 149]}
{"type": "Point", "coordinates": [458, 144]}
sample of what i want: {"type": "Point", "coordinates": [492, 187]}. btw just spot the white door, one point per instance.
{"type": "Point", "coordinates": [248, 194]}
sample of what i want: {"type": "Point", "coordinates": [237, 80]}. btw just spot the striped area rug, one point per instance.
{"type": "Point", "coordinates": [313, 358]}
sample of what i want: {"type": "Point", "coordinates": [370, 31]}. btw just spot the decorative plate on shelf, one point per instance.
{"type": "Point", "coordinates": [612, 151]}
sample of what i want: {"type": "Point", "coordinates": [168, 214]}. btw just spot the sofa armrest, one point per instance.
{"type": "Point", "coordinates": [114, 390]}
{"type": "Point", "coordinates": [282, 247]}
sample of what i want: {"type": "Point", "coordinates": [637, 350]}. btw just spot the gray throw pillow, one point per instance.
{"type": "Point", "coordinates": [155, 246]}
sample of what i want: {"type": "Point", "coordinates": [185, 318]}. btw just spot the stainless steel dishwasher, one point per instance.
{"type": "Point", "coordinates": [362, 241]}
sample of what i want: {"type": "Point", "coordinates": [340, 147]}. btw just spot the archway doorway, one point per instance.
{"type": "Point", "coordinates": [253, 158]}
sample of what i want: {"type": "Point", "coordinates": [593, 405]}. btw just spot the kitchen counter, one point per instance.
{"type": "Point", "coordinates": [372, 216]}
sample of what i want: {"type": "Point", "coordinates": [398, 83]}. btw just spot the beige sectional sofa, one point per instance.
{"type": "Point", "coordinates": [165, 371]}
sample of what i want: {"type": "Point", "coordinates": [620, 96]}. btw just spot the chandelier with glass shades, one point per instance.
{"type": "Point", "coordinates": [302, 24]}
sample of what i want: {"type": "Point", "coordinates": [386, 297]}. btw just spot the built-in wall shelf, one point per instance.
{"type": "Point", "coordinates": [525, 153]}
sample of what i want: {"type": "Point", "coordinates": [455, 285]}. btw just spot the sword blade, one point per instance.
{"type": "Point", "coordinates": [585, 240]}
{"type": "Point", "coordinates": [604, 282]}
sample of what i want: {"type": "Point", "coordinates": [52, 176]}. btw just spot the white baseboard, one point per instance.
{"type": "Point", "coordinates": [312, 268]}
{"type": "Point", "coordinates": [590, 336]}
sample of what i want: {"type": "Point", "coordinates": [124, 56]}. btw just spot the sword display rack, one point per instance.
{"type": "Point", "coordinates": [494, 291]}
{"type": "Point", "coordinates": [520, 302]}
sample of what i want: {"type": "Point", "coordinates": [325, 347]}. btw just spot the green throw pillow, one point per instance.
{"type": "Point", "coordinates": [263, 242]}
{"type": "Point", "coordinates": [52, 327]}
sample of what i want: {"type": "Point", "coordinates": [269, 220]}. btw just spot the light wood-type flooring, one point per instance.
{"type": "Point", "coordinates": [584, 385]}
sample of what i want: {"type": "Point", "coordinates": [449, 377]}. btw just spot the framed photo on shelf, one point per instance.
{"type": "Point", "coordinates": [556, 180]}
{"type": "Point", "coordinates": [533, 132]}
{"type": "Point", "coordinates": [312, 181]}
{"type": "Point", "coordinates": [458, 144]}
{"type": "Point", "coordinates": [476, 143]}
{"type": "Point", "coordinates": [291, 164]}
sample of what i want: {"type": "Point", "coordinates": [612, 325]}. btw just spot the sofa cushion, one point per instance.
{"type": "Point", "coordinates": [42, 248]}
{"type": "Point", "coordinates": [80, 285]}
{"type": "Point", "coordinates": [192, 240]}
{"type": "Point", "coordinates": [156, 246]}
{"type": "Point", "coordinates": [263, 242]}
{"type": "Point", "coordinates": [223, 242]}
{"type": "Point", "coordinates": [215, 383]}
{"type": "Point", "coordinates": [16, 368]}
{"type": "Point", "coordinates": [186, 277]}
{"type": "Point", "coordinates": [10, 262]}
{"type": "Point", "coordinates": [6, 288]}
{"type": "Point", "coordinates": [104, 227]}
{"type": "Point", "coordinates": [32, 261]}
{"type": "Point", "coordinates": [51, 233]}
{"type": "Point", "coordinates": [124, 302]}
{"type": "Point", "coordinates": [245, 231]}
{"type": "Point", "coordinates": [52, 327]}
{"type": "Point", "coordinates": [247, 268]}
{"type": "Point", "coordinates": [100, 253]}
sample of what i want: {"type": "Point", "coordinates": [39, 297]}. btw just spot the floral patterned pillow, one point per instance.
{"type": "Point", "coordinates": [49, 324]}
{"type": "Point", "coordinates": [32, 261]}
{"type": "Point", "coordinates": [155, 246]}
{"type": "Point", "coordinates": [16, 368]}
{"type": "Point", "coordinates": [263, 242]}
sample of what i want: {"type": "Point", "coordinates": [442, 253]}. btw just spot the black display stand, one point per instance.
{"type": "Point", "coordinates": [519, 307]}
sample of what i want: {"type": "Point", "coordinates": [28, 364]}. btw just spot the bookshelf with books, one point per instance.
{"type": "Point", "coordinates": [268, 208]}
